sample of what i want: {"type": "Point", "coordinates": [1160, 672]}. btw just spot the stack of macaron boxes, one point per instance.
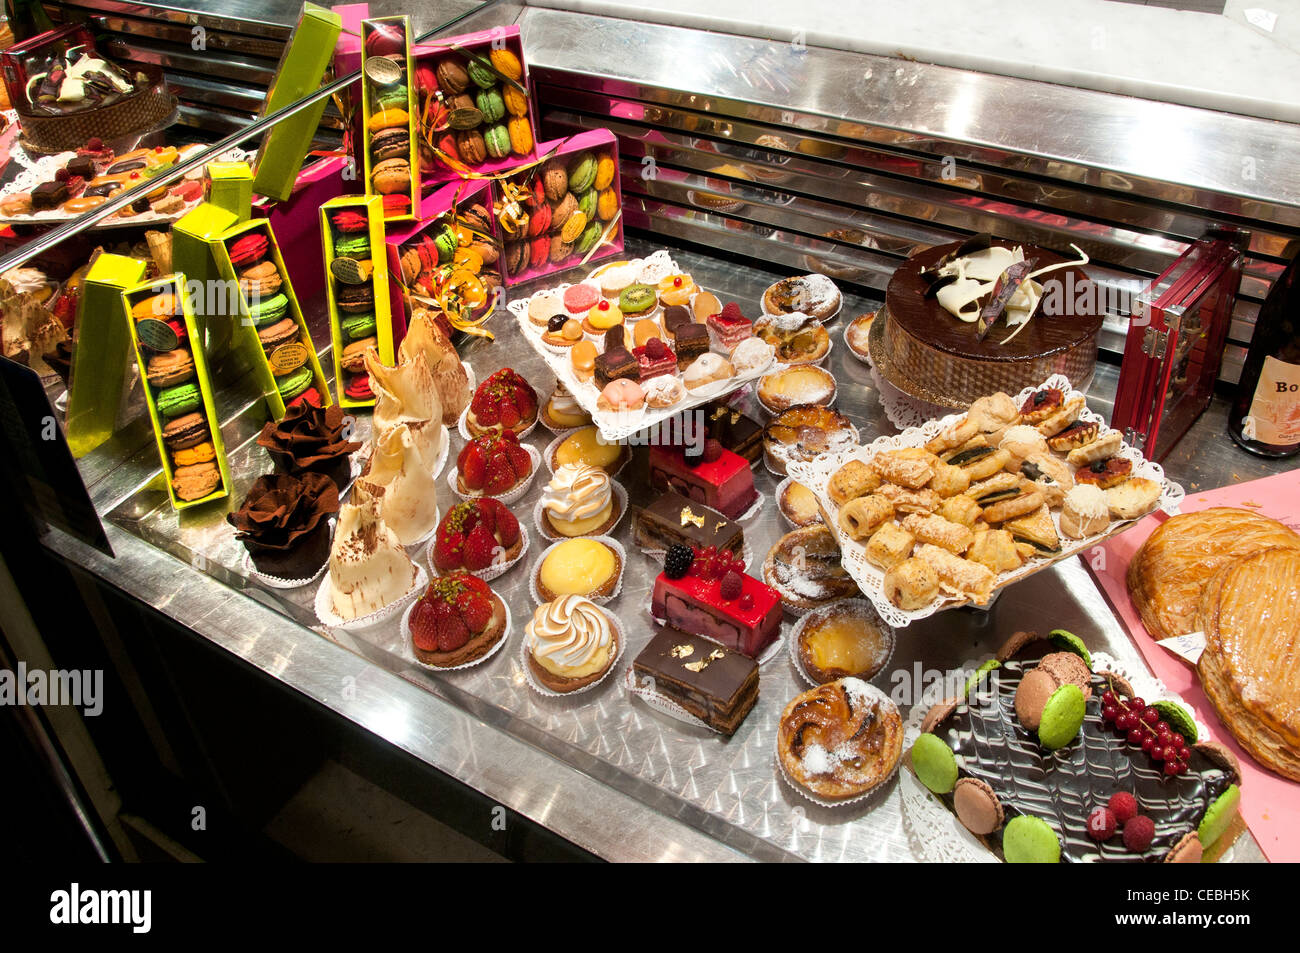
{"type": "Point", "coordinates": [388, 105]}
{"type": "Point", "coordinates": [178, 391]}
{"type": "Point", "coordinates": [352, 230]}
{"type": "Point", "coordinates": [271, 321]}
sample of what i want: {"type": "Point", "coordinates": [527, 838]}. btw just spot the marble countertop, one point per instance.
{"type": "Point", "coordinates": [1245, 60]}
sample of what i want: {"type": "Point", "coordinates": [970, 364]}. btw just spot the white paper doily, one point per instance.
{"type": "Point", "coordinates": [541, 689]}
{"type": "Point", "coordinates": [815, 475]}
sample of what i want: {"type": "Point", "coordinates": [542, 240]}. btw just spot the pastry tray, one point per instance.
{"type": "Point", "coordinates": [815, 474]}
{"type": "Point", "coordinates": [620, 425]}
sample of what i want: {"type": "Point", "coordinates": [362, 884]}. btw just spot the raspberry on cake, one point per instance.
{"type": "Point", "coordinates": [476, 535]}
{"type": "Point", "coordinates": [457, 620]}
{"type": "Point", "coordinates": [717, 478]}
{"type": "Point", "coordinates": [709, 593]}
{"type": "Point", "coordinates": [492, 464]}
{"type": "Point", "coordinates": [730, 327]}
{"type": "Point", "coordinates": [505, 401]}
{"type": "Point", "coordinates": [654, 359]}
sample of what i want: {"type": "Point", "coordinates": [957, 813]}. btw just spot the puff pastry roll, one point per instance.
{"type": "Point", "coordinates": [851, 481]}
{"type": "Point", "coordinates": [939, 532]}
{"type": "Point", "coordinates": [889, 546]}
{"type": "Point", "coordinates": [912, 584]}
{"type": "Point", "coordinates": [910, 501]}
{"type": "Point", "coordinates": [959, 576]}
{"type": "Point", "coordinates": [911, 468]}
{"type": "Point", "coordinates": [949, 480]}
{"type": "Point", "coordinates": [860, 518]}
{"type": "Point", "coordinates": [960, 509]}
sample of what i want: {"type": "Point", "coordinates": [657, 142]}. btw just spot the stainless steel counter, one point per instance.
{"type": "Point", "coordinates": [601, 769]}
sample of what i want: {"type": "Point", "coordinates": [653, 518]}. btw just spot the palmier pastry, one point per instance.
{"type": "Point", "coordinates": [911, 585]}
{"type": "Point", "coordinates": [1099, 449]}
{"type": "Point", "coordinates": [961, 577]}
{"type": "Point", "coordinates": [851, 481]}
{"type": "Point", "coordinates": [940, 532]}
{"type": "Point", "coordinates": [912, 467]}
{"type": "Point", "coordinates": [806, 568]}
{"type": "Point", "coordinates": [859, 518]}
{"type": "Point", "coordinates": [1170, 570]}
{"type": "Point", "coordinates": [1062, 418]}
{"type": "Point", "coordinates": [1041, 404]}
{"type": "Point", "coordinates": [1133, 498]}
{"type": "Point", "coordinates": [1105, 473]}
{"type": "Point", "coordinates": [889, 546]}
{"type": "Point", "coordinates": [840, 740]}
{"type": "Point", "coordinates": [1078, 434]}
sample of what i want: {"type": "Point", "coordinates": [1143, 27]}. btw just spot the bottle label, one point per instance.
{"type": "Point", "coordinates": [1275, 410]}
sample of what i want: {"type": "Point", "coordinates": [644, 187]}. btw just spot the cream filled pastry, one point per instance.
{"type": "Point", "coordinates": [407, 395]}
{"type": "Point", "coordinates": [403, 484]}
{"type": "Point", "coordinates": [369, 569]}
{"type": "Point", "coordinates": [579, 500]}
{"type": "Point", "coordinates": [570, 643]}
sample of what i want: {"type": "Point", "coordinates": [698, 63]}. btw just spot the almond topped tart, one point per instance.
{"type": "Point", "coordinates": [803, 432]}
{"type": "Point", "coordinates": [840, 740]}
{"type": "Point", "coordinates": [806, 568]}
{"type": "Point", "coordinates": [801, 384]}
{"type": "Point", "coordinates": [457, 620]}
{"type": "Point", "coordinates": [798, 338]}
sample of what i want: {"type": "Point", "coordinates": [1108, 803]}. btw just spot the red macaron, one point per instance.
{"type": "Point", "coordinates": [359, 387]}
{"type": "Point", "coordinates": [384, 40]}
{"type": "Point", "coordinates": [249, 250]}
{"type": "Point", "coordinates": [350, 220]}
{"type": "Point", "coordinates": [396, 204]}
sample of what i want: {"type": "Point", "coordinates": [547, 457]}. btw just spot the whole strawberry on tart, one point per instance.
{"type": "Point", "coordinates": [505, 401]}
{"type": "Point", "coordinates": [492, 464]}
{"type": "Point", "coordinates": [457, 620]}
{"type": "Point", "coordinates": [476, 535]}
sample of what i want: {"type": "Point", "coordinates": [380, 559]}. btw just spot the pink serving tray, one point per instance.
{"type": "Point", "coordinates": [1270, 804]}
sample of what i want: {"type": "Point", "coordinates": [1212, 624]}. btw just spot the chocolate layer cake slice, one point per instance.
{"type": "Point", "coordinates": [716, 685]}
{"type": "Point", "coordinates": [672, 518]}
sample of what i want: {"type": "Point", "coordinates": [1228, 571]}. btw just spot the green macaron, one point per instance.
{"type": "Point", "coordinates": [497, 140]}
{"type": "Point", "coordinates": [590, 235]}
{"type": "Point", "coordinates": [1062, 717]}
{"type": "Point", "coordinates": [358, 326]}
{"type": "Point", "coordinates": [179, 400]}
{"type": "Point", "coordinates": [394, 97]}
{"type": "Point", "coordinates": [268, 311]}
{"type": "Point", "coordinates": [977, 676]}
{"type": "Point", "coordinates": [582, 173]}
{"type": "Point", "coordinates": [352, 246]}
{"type": "Point", "coordinates": [491, 105]}
{"type": "Point", "coordinates": [934, 763]}
{"type": "Point", "coordinates": [1179, 719]}
{"type": "Point", "coordinates": [480, 73]}
{"type": "Point", "coordinates": [1218, 817]}
{"type": "Point", "coordinates": [446, 243]}
{"type": "Point", "coordinates": [1069, 642]}
{"type": "Point", "coordinates": [587, 204]}
{"type": "Point", "coordinates": [1030, 840]}
{"type": "Point", "coordinates": [294, 383]}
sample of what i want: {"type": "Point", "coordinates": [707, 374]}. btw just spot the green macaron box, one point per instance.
{"type": "Point", "coordinates": [285, 303]}
{"type": "Point", "coordinates": [372, 207]}
{"type": "Point", "coordinates": [470, 51]}
{"type": "Point", "coordinates": [176, 284]}
{"type": "Point", "coordinates": [580, 155]}
{"type": "Point", "coordinates": [372, 91]}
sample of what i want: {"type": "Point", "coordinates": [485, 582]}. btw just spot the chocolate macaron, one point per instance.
{"type": "Point", "coordinates": [185, 432]}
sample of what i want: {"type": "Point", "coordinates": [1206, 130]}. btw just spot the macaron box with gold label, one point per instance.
{"type": "Point", "coordinates": [562, 212]}
{"type": "Point", "coordinates": [476, 113]}
{"type": "Point", "coordinates": [388, 114]}
{"type": "Point", "coordinates": [356, 292]}
{"type": "Point", "coordinates": [269, 328]}
{"type": "Point", "coordinates": [177, 391]}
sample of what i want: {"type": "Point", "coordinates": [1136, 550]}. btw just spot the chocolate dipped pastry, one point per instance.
{"type": "Point", "coordinates": [617, 362]}
{"type": "Point", "coordinates": [311, 438]}
{"type": "Point", "coordinates": [284, 523]}
{"type": "Point", "coordinates": [672, 518]}
{"type": "Point", "coordinates": [1036, 733]}
{"type": "Point", "coordinates": [716, 685]}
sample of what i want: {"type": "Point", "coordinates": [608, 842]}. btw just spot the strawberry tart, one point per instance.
{"type": "Point", "coordinates": [505, 401]}
{"type": "Point", "coordinates": [456, 621]}
{"type": "Point", "coordinates": [492, 464]}
{"type": "Point", "coordinates": [476, 535]}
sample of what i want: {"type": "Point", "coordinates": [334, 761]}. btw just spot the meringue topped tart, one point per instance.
{"type": "Point", "coordinates": [578, 567]}
{"type": "Point", "coordinates": [563, 411]}
{"type": "Point", "coordinates": [586, 446]}
{"type": "Point", "coordinates": [579, 501]}
{"type": "Point", "coordinates": [368, 567]}
{"type": "Point", "coordinates": [571, 643]}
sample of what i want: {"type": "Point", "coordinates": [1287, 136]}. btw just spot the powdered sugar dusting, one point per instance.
{"type": "Point", "coordinates": [818, 760]}
{"type": "Point", "coordinates": [792, 321]}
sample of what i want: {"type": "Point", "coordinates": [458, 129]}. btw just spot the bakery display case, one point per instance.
{"type": "Point", "coordinates": [438, 572]}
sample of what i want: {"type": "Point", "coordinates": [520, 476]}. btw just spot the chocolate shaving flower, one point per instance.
{"type": "Point", "coordinates": [282, 508]}
{"type": "Point", "coordinates": [309, 438]}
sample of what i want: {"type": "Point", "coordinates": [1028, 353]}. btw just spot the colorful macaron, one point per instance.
{"type": "Point", "coordinates": [356, 299]}
{"type": "Point", "coordinates": [261, 280]}
{"type": "Point", "coordinates": [394, 143]}
{"type": "Point", "coordinates": [391, 175]}
{"type": "Point", "coordinates": [294, 383]}
{"type": "Point", "coordinates": [358, 326]}
{"type": "Point", "coordinates": [159, 306]}
{"type": "Point", "coordinates": [278, 334]}
{"type": "Point", "coordinates": [268, 311]}
{"type": "Point", "coordinates": [393, 97]}
{"type": "Point", "coordinates": [170, 368]}
{"type": "Point", "coordinates": [582, 172]}
{"type": "Point", "coordinates": [359, 388]}
{"type": "Point", "coordinates": [185, 431]}
{"type": "Point", "coordinates": [491, 105]}
{"type": "Point", "coordinates": [352, 246]}
{"type": "Point", "coordinates": [481, 73]}
{"type": "Point", "coordinates": [248, 250]}
{"type": "Point", "coordinates": [350, 220]}
{"type": "Point", "coordinates": [396, 204]}
{"type": "Point", "coordinates": [497, 141]}
{"type": "Point", "coordinates": [386, 118]}
{"type": "Point", "coordinates": [179, 400]}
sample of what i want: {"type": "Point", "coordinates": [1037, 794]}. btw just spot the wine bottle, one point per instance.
{"type": "Point", "coordinates": [1265, 416]}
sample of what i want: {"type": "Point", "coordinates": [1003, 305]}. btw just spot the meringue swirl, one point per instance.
{"type": "Point", "coordinates": [563, 402]}
{"type": "Point", "coordinates": [577, 492]}
{"type": "Point", "coordinates": [570, 637]}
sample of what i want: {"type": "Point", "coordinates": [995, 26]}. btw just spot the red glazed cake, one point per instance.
{"type": "Point", "coordinates": [654, 359]}
{"type": "Point", "coordinates": [730, 327]}
{"type": "Point", "coordinates": [721, 480]}
{"type": "Point", "coordinates": [709, 594]}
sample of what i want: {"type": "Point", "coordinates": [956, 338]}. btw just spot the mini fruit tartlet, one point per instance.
{"type": "Point", "coordinates": [456, 621]}
{"type": "Point", "coordinates": [505, 401]}
{"type": "Point", "coordinates": [562, 410]}
{"type": "Point", "coordinates": [562, 331]}
{"type": "Point", "coordinates": [492, 464]}
{"type": "Point", "coordinates": [476, 535]}
{"type": "Point", "coordinates": [676, 290]}
{"type": "Point", "coordinates": [586, 445]}
{"type": "Point", "coordinates": [570, 643]}
{"type": "Point", "coordinates": [602, 316]}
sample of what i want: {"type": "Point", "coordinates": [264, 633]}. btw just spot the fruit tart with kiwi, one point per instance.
{"type": "Point", "coordinates": [476, 535]}
{"type": "Point", "coordinates": [456, 621]}
{"type": "Point", "coordinates": [505, 401]}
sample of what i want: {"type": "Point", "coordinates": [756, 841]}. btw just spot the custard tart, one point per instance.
{"type": "Point", "coordinates": [797, 339]}
{"type": "Point", "coordinates": [798, 505]}
{"type": "Point", "coordinates": [800, 384]}
{"type": "Point", "coordinates": [803, 432]}
{"type": "Point", "coordinates": [806, 568]}
{"type": "Point", "coordinates": [844, 639]}
{"type": "Point", "coordinates": [840, 740]}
